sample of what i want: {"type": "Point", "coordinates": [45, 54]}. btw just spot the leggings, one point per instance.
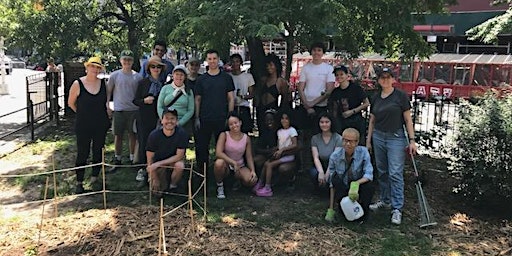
{"type": "Point", "coordinates": [84, 138]}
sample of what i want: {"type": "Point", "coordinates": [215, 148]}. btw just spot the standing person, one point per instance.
{"type": "Point", "coordinates": [322, 146]}
{"type": "Point", "coordinates": [193, 66]}
{"type": "Point", "coordinates": [244, 88]}
{"type": "Point", "coordinates": [350, 172]}
{"type": "Point", "coordinates": [165, 152]}
{"type": "Point", "coordinates": [146, 98]}
{"type": "Point", "coordinates": [87, 97]}
{"type": "Point", "coordinates": [123, 84]}
{"type": "Point", "coordinates": [390, 112]}
{"type": "Point", "coordinates": [232, 147]}
{"type": "Point", "coordinates": [213, 101]}
{"type": "Point", "coordinates": [159, 49]}
{"type": "Point", "coordinates": [53, 73]}
{"type": "Point", "coordinates": [274, 85]}
{"type": "Point", "coordinates": [316, 83]}
{"type": "Point", "coordinates": [287, 145]}
{"type": "Point", "coordinates": [347, 101]}
{"type": "Point", "coordinates": [184, 104]}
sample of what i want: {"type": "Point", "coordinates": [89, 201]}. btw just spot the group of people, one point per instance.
{"type": "Point", "coordinates": [164, 105]}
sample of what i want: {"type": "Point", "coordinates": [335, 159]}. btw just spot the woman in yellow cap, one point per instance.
{"type": "Point", "coordinates": [87, 97]}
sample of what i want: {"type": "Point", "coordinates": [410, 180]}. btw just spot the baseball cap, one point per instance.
{"type": "Point", "coordinates": [170, 110]}
{"type": "Point", "coordinates": [384, 71]}
{"type": "Point", "coordinates": [193, 60]}
{"type": "Point", "coordinates": [126, 54]}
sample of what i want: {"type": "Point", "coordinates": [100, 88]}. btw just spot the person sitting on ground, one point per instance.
{"type": "Point", "coordinates": [231, 148]}
{"type": "Point", "coordinates": [166, 149]}
{"type": "Point", "coordinates": [322, 146]}
{"type": "Point", "coordinates": [266, 146]}
{"type": "Point", "coordinates": [287, 146]}
{"type": "Point", "coordinates": [350, 173]}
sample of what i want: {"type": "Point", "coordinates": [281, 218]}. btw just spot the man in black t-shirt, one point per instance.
{"type": "Point", "coordinates": [214, 99]}
{"type": "Point", "coordinates": [346, 103]}
{"type": "Point", "coordinates": [165, 150]}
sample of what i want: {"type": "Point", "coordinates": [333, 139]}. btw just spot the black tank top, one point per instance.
{"type": "Point", "coordinates": [91, 110]}
{"type": "Point", "coordinates": [272, 90]}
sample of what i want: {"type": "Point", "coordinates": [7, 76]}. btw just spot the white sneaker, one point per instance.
{"type": "Point", "coordinates": [140, 174]}
{"type": "Point", "coordinates": [220, 192]}
{"type": "Point", "coordinates": [396, 217]}
{"type": "Point", "coordinates": [379, 205]}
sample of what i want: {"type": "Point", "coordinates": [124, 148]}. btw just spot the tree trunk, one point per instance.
{"type": "Point", "coordinates": [257, 58]}
{"type": "Point", "coordinates": [134, 43]}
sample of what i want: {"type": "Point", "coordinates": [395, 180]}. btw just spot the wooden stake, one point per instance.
{"type": "Point", "coordinates": [162, 224]}
{"type": "Point", "coordinates": [42, 213]}
{"type": "Point", "coordinates": [204, 191]}
{"type": "Point", "coordinates": [190, 203]}
{"type": "Point", "coordinates": [103, 174]}
{"type": "Point", "coordinates": [160, 238]}
{"type": "Point", "coordinates": [55, 203]}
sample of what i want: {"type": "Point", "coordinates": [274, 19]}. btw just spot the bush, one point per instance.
{"type": "Point", "coordinates": [481, 153]}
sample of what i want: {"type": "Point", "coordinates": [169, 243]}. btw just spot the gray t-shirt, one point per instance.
{"type": "Point", "coordinates": [125, 87]}
{"type": "Point", "coordinates": [389, 111]}
{"type": "Point", "coordinates": [325, 150]}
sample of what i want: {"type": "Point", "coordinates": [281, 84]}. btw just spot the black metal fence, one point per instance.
{"type": "Point", "coordinates": [43, 99]}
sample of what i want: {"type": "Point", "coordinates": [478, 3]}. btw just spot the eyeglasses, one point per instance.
{"type": "Point", "coordinates": [350, 141]}
{"type": "Point", "coordinates": [155, 66]}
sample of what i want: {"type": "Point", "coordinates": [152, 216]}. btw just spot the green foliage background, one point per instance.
{"type": "Point", "coordinates": [482, 150]}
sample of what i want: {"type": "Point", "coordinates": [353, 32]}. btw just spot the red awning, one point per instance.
{"type": "Point", "coordinates": [434, 28]}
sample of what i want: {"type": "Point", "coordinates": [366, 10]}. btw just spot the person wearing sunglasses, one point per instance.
{"type": "Point", "coordinates": [159, 49]}
{"type": "Point", "coordinates": [390, 112]}
{"type": "Point", "coordinates": [146, 98]}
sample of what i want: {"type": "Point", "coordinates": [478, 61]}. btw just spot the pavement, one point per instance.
{"type": "Point", "coordinates": [15, 99]}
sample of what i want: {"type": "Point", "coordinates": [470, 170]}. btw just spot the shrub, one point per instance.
{"type": "Point", "coordinates": [481, 153]}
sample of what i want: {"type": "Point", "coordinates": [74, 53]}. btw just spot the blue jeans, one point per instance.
{"type": "Point", "coordinates": [389, 149]}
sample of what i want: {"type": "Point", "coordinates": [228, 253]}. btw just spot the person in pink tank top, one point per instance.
{"type": "Point", "coordinates": [231, 148]}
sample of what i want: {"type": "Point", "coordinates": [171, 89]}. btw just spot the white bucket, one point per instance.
{"type": "Point", "coordinates": [351, 209]}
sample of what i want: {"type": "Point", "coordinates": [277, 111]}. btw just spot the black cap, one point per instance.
{"type": "Point", "coordinates": [170, 110]}
{"type": "Point", "coordinates": [384, 71]}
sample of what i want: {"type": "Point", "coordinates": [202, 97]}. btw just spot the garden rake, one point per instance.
{"type": "Point", "coordinates": [426, 218]}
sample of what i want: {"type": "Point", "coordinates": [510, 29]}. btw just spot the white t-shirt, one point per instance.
{"type": "Point", "coordinates": [316, 77]}
{"type": "Point", "coordinates": [242, 82]}
{"type": "Point", "coordinates": [284, 136]}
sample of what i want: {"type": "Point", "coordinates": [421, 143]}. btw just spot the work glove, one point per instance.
{"type": "Point", "coordinates": [353, 193]}
{"type": "Point", "coordinates": [329, 216]}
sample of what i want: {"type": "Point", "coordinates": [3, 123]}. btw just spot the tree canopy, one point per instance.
{"type": "Point", "coordinates": [488, 31]}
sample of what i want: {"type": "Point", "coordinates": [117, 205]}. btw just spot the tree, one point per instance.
{"type": "Point", "coordinates": [488, 31]}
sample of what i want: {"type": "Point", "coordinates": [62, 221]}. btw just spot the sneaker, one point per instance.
{"type": "Point", "coordinates": [329, 216]}
{"type": "Point", "coordinates": [257, 187]}
{"type": "Point", "coordinates": [396, 217]}
{"type": "Point", "coordinates": [140, 174]}
{"type": "Point", "coordinates": [220, 192]}
{"type": "Point", "coordinates": [79, 189]}
{"type": "Point", "coordinates": [113, 169]}
{"type": "Point", "coordinates": [264, 192]}
{"type": "Point", "coordinates": [379, 205]}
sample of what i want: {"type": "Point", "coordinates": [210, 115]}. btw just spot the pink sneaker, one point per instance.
{"type": "Point", "coordinates": [265, 192]}
{"type": "Point", "coordinates": [257, 187]}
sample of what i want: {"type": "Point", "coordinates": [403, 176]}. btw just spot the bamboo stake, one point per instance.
{"type": "Point", "coordinates": [190, 204]}
{"type": "Point", "coordinates": [204, 190]}
{"type": "Point", "coordinates": [162, 225]}
{"type": "Point", "coordinates": [160, 230]}
{"type": "Point", "coordinates": [103, 174]}
{"type": "Point", "coordinates": [42, 213]}
{"type": "Point", "coordinates": [55, 203]}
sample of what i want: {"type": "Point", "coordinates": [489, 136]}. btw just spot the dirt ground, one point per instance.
{"type": "Point", "coordinates": [244, 225]}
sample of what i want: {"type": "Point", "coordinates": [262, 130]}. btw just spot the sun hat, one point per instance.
{"type": "Point", "coordinates": [155, 60]}
{"type": "Point", "coordinates": [182, 68]}
{"type": "Point", "coordinates": [193, 60]}
{"type": "Point", "coordinates": [126, 54]}
{"type": "Point", "coordinates": [96, 61]}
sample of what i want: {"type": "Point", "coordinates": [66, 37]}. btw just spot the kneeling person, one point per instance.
{"type": "Point", "coordinates": [350, 173]}
{"type": "Point", "coordinates": [166, 149]}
